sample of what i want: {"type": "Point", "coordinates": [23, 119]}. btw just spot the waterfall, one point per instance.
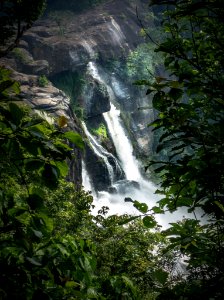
{"type": "Point", "coordinates": [122, 144]}
{"type": "Point", "coordinates": [86, 179]}
{"type": "Point", "coordinates": [100, 151]}
{"type": "Point", "coordinates": [144, 191]}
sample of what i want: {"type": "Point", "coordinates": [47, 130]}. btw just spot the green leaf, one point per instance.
{"type": "Point", "coordinates": [37, 233]}
{"type": "Point", "coordinates": [50, 175]}
{"type": "Point", "coordinates": [48, 222]}
{"type": "Point", "coordinates": [17, 112]}
{"type": "Point", "coordinates": [149, 222]}
{"type": "Point", "coordinates": [63, 167]}
{"type": "Point", "coordinates": [157, 210]}
{"type": "Point", "coordinates": [219, 205]}
{"type": "Point", "coordinates": [142, 207]}
{"type": "Point", "coordinates": [24, 218]}
{"type": "Point", "coordinates": [160, 275]}
{"type": "Point", "coordinates": [5, 85]}
{"type": "Point", "coordinates": [175, 94]}
{"type": "Point", "coordinates": [122, 222]}
{"type": "Point", "coordinates": [33, 261]}
{"type": "Point", "coordinates": [34, 164]}
{"type": "Point", "coordinates": [158, 100]}
{"type": "Point", "coordinates": [71, 284]}
{"type": "Point", "coordinates": [75, 138]}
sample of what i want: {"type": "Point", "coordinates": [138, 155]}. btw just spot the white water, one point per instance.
{"type": "Point", "coordinates": [124, 149]}
{"type": "Point", "coordinates": [122, 144]}
{"type": "Point", "coordinates": [100, 152]}
{"type": "Point", "coordinates": [86, 180]}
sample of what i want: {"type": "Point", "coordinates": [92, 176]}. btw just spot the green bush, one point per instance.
{"type": "Point", "coordinates": [42, 81]}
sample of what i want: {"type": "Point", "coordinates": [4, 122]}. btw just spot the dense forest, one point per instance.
{"type": "Point", "coordinates": [52, 245]}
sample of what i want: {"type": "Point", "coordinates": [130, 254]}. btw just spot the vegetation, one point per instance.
{"type": "Point", "coordinates": [142, 61]}
{"type": "Point", "coordinates": [21, 55]}
{"type": "Point", "coordinates": [42, 81]}
{"type": "Point", "coordinates": [52, 247]}
{"type": "Point", "coordinates": [101, 131]}
{"type": "Point", "coordinates": [190, 113]}
{"type": "Point", "coordinates": [71, 83]}
{"type": "Point", "coordinates": [15, 18]}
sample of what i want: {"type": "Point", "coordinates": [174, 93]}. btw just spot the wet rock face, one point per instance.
{"type": "Point", "coordinates": [97, 170]}
{"type": "Point", "coordinates": [108, 31]}
{"type": "Point", "coordinates": [96, 98]}
{"type": "Point", "coordinates": [123, 186]}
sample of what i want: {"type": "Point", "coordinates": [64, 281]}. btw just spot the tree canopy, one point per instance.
{"type": "Point", "coordinates": [189, 105]}
{"type": "Point", "coordinates": [15, 18]}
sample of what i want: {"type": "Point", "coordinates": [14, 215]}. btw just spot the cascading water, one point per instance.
{"type": "Point", "coordinates": [122, 144]}
{"type": "Point", "coordinates": [105, 155]}
{"type": "Point", "coordinates": [143, 190]}
{"type": "Point", "coordinates": [86, 180]}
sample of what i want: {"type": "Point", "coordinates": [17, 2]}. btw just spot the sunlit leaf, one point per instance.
{"type": "Point", "coordinates": [142, 207]}
{"type": "Point", "coordinates": [75, 138]}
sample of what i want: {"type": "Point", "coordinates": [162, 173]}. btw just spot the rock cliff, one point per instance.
{"type": "Point", "coordinates": [63, 41]}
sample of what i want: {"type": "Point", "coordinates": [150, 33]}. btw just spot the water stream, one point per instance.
{"type": "Point", "coordinates": [143, 190]}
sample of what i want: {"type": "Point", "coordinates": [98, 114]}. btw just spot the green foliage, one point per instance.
{"type": "Point", "coordinates": [51, 245]}
{"type": "Point", "coordinates": [42, 81]}
{"type": "Point", "coordinates": [20, 55]}
{"type": "Point", "coordinates": [101, 131]}
{"type": "Point", "coordinates": [71, 83]}
{"type": "Point", "coordinates": [190, 113]}
{"type": "Point", "coordinates": [33, 162]}
{"type": "Point", "coordinates": [142, 61]}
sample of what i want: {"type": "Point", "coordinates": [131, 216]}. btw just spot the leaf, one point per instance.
{"type": "Point", "coordinates": [142, 82]}
{"type": "Point", "coordinates": [158, 100]}
{"type": "Point", "coordinates": [37, 233]}
{"type": "Point", "coordinates": [40, 131]}
{"type": "Point", "coordinates": [33, 261]}
{"type": "Point", "coordinates": [128, 199]}
{"type": "Point", "coordinates": [160, 275]}
{"type": "Point", "coordinates": [62, 167]}
{"type": "Point", "coordinates": [127, 220]}
{"type": "Point", "coordinates": [75, 138]}
{"type": "Point", "coordinates": [5, 85]}
{"type": "Point", "coordinates": [62, 121]}
{"type": "Point", "coordinates": [219, 205]}
{"type": "Point", "coordinates": [142, 207]}
{"type": "Point", "coordinates": [175, 94]}
{"type": "Point", "coordinates": [47, 221]}
{"type": "Point", "coordinates": [35, 200]}
{"type": "Point", "coordinates": [71, 284]}
{"type": "Point", "coordinates": [34, 164]}
{"type": "Point", "coordinates": [168, 61]}
{"type": "Point", "coordinates": [157, 210]}
{"type": "Point", "coordinates": [24, 218]}
{"type": "Point", "coordinates": [149, 91]}
{"type": "Point", "coordinates": [50, 175]}
{"type": "Point", "coordinates": [149, 222]}
{"type": "Point", "coordinates": [16, 112]}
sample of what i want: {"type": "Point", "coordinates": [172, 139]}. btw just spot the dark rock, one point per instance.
{"type": "Point", "coordinates": [96, 98]}
{"type": "Point", "coordinates": [123, 186]}
{"type": "Point", "coordinates": [97, 170]}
